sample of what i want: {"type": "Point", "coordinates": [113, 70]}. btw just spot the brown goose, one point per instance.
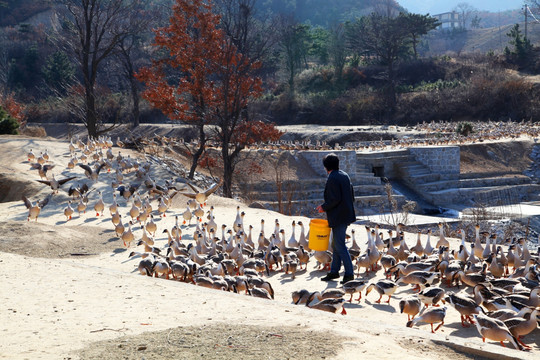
{"type": "Point", "coordinates": [332, 305]}
{"type": "Point", "coordinates": [99, 206]}
{"type": "Point", "coordinates": [494, 329]}
{"type": "Point", "coordinates": [442, 239]}
{"type": "Point", "coordinates": [355, 286]}
{"type": "Point", "coordinates": [55, 184]}
{"type": "Point", "coordinates": [300, 297]}
{"type": "Point", "coordinates": [471, 279]}
{"type": "Point", "coordinates": [383, 287]}
{"type": "Point", "coordinates": [418, 248]}
{"type": "Point", "coordinates": [496, 268]}
{"type": "Point", "coordinates": [465, 306]}
{"type": "Point", "coordinates": [418, 278]}
{"type": "Point", "coordinates": [431, 295]}
{"type": "Point", "coordinates": [431, 316]}
{"type": "Point", "coordinates": [90, 173]}
{"type": "Point", "coordinates": [42, 169]}
{"type": "Point", "coordinates": [35, 209]}
{"type": "Point", "coordinates": [428, 249]}
{"type": "Point", "coordinates": [519, 326]}
{"type": "Point", "coordinates": [410, 305]}
{"type": "Point", "coordinates": [68, 211]}
{"type": "Point", "coordinates": [202, 196]}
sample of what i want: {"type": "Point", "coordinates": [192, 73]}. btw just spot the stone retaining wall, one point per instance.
{"type": "Point", "coordinates": [442, 160]}
{"type": "Point", "coordinates": [347, 161]}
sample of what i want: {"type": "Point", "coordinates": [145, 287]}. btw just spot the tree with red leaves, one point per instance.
{"type": "Point", "coordinates": [13, 108]}
{"type": "Point", "coordinates": [204, 80]}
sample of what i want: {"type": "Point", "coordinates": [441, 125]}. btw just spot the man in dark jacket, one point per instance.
{"type": "Point", "coordinates": [339, 207]}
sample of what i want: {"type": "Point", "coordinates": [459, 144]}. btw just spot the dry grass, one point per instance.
{"type": "Point", "coordinates": [34, 131]}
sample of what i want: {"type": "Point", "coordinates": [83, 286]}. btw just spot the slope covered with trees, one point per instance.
{"type": "Point", "coordinates": [13, 12]}
{"type": "Point", "coordinates": [368, 63]}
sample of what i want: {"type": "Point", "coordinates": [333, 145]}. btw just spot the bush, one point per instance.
{"type": "Point", "coordinates": [34, 131]}
{"type": "Point", "coordinates": [464, 129]}
{"type": "Point", "coordinates": [8, 125]}
{"type": "Point", "coordinates": [365, 107]}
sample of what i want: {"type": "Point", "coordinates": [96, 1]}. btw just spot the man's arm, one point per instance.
{"type": "Point", "coordinates": [333, 194]}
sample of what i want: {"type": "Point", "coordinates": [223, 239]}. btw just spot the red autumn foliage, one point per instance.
{"type": "Point", "coordinates": [254, 168]}
{"type": "Point", "coordinates": [208, 161]}
{"type": "Point", "coordinates": [192, 42]}
{"type": "Point", "coordinates": [12, 107]}
{"type": "Point", "coordinates": [204, 79]}
{"type": "Point", "coordinates": [252, 132]}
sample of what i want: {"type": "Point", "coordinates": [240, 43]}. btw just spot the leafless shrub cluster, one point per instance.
{"type": "Point", "coordinates": [393, 213]}
{"type": "Point", "coordinates": [34, 131]}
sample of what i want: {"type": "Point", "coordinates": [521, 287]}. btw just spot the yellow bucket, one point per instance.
{"type": "Point", "coordinates": [319, 234]}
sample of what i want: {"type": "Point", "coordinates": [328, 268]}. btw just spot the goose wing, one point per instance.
{"type": "Point", "coordinates": [100, 167]}
{"type": "Point", "coordinates": [46, 182]}
{"type": "Point", "coordinates": [192, 187]}
{"type": "Point", "coordinates": [189, 195]}
{"type": "Point", "coordinates": [212, 189]}
{"type": "Point", "coordinates": [86, 168]}
{"type": "Point", "coordinates": [44, 202]}
{"type": "Point", "coordinates": [27, 202]}
{"type": "Point", "coordinates": [63, 181]}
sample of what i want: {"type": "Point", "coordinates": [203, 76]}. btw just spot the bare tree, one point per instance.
{"type": "Point", "coordinates": [293, 42]}
{"type": "Point", "coordinates": [386, 8]}
{"type": "Point", "coordinates": [337, 49]}
{"type": "Point", "coordinates": [4, 59]}
{"type": "Point", "coordinates": [382, 40]}
{"type": "Point", "coordinates": [466, 12]}
{"type": "Point", "coordinates": [91, 30]}
{"type": "Point", "coordinates": [131, 52]}
{"type": "Point", "coordinates": [533, 4]}
{"type": "Point", "coordinates": [252, 36]}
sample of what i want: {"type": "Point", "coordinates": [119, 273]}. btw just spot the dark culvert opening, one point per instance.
{"type": "Point", "coordinates": [378, 171]}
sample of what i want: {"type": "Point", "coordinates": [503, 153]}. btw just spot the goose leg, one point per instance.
{"type": "Point", "coordinates": [441, 324]}
{"type": "Point", "coordinates": [518, 338]}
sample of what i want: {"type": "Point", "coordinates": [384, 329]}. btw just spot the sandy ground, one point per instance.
{"type": "Point", "coordinates": [69, 290]}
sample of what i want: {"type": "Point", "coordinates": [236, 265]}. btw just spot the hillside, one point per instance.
{"type": "Point", "coordinates": [15, 12]}
{"type": "Point", "coordinates": [478, 40]}
{"type": "Point", "coordinates": [323, 12]}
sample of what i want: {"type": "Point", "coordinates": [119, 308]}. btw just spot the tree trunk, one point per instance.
{"type": "Point", "coordinates": [135, 98]}
{"type": "Point", "coordinates": [227, 173]}
{"type": "Point", "coordinates": [291, 80]}
{"type": "Point", "coordinates": [391, 92]}
{"type": "Point", "coordinates": [414, 43]}
{"type": "Point", "coordinates": [198, 153]}
{"type": "Point", "coordinates": [91, 120]}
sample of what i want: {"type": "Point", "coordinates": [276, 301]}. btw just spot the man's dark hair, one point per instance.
{"type": "Point", "coordinates": [331, 162]}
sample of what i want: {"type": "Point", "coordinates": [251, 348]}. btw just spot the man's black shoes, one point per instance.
{"type": "Point", "coordinates": [330, 276]}
{"type": "Point", "coordinates": [347, 278]}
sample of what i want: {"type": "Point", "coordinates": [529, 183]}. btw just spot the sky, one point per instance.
{"type": "Point", "coordinates": [439, 6]}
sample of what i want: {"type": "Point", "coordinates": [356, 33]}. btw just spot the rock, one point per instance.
{"type": "Point", "coordinates": [257, 205]}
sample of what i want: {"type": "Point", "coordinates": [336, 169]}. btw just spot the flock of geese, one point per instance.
{"type": "Point", "coordinates": [500, 291]}
{"type": "Point", "coordinates": [435, 133]}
